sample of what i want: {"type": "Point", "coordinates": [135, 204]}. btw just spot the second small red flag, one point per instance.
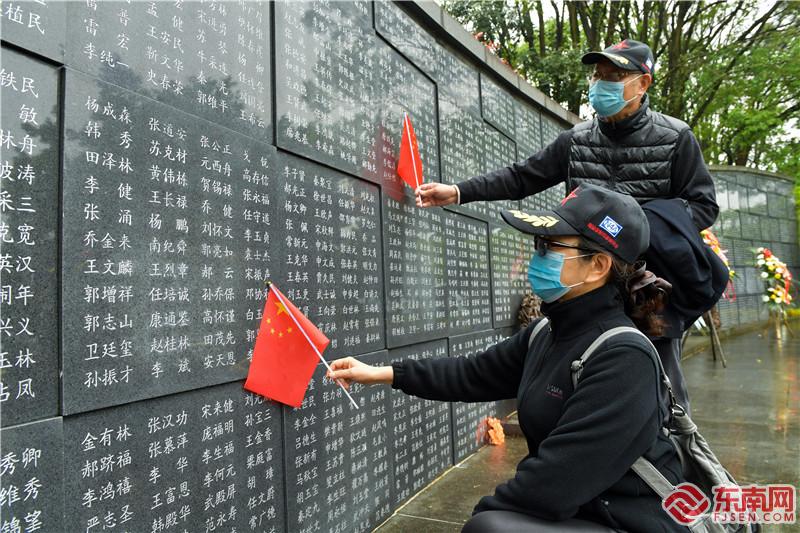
{"type": "Point", "coordinates": [409, 164]}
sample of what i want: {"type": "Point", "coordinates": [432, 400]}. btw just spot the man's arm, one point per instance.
{"type": "Point", "coordinates": [692, 182]}
{"type": "Point", "coordinates": [537, 173]}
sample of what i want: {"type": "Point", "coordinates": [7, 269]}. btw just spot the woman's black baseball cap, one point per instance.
{"type": "Point", "coordinates": [612, 220]}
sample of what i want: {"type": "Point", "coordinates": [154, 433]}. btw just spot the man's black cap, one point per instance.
{"type": "Point", "coordinates": [628, 55]}
{"type": "Point", "coordinates": [612, 220]}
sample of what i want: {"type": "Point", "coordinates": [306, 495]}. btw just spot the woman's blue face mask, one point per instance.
{"type": "Point", "coordinates": [544, 275]}
{"type": "Point", "coordinates": [606, 97]}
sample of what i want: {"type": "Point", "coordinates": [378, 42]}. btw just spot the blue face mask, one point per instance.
{"type": "Point", "coordinates": [544, 275]}
{"type": "Point", "coordinates": [606, 96]}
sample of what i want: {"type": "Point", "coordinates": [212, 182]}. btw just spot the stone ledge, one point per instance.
{"type": "Point", "coordinates": [437, 18]}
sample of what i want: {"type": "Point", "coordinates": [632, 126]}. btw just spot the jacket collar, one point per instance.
{"type": "Point", "coordinates": [577, 315]}
{"type": "Point", "coordinates": [628, 125]}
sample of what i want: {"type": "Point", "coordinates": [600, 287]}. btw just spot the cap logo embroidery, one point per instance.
{"type": "Point", "coordinates": [623, 60]}
{"type": "Point", "coordinates": [611, 226]}
{"type": "Point", "coordinates": [535, 220]}
{"type": "Point", "coordinates": [570, 196]}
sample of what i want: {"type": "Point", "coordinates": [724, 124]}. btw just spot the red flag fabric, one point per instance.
{"type": "Point", "coordinates": [283, 358]}
{"type": "Point", "coordinates": [409, 164]}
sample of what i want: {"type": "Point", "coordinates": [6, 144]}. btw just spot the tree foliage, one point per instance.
{"type": "Point", "coordinates": [727, 68]}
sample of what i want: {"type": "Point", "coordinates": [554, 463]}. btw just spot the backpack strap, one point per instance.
{"type": "Point", "coordinates": [577, 366]}
{"type": "Point", "coordinates": [651, 476]}
{"type": "Point", "coordinates": [543, 323]}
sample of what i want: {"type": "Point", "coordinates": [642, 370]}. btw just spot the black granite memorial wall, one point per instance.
{"type": "Point", "coordinates": [161, 161]}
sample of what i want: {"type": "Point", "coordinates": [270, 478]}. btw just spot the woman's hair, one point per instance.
{"type": "Point", "coordinates": [643, 294]}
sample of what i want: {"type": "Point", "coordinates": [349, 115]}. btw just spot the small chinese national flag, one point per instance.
{"type": "Point", "coordinates": [284, 358]}
{"type": "Point", "coordinates": [409, 164]}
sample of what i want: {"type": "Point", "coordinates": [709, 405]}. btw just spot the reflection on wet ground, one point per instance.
{"type": "Point", "coordinates": [749, 412]}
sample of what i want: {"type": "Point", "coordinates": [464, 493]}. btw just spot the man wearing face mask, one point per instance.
{"type": "Point", "coordinates": [627, 147]}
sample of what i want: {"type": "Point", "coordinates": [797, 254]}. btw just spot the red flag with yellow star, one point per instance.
{"type": "Point", "coordinates": [284, 358]}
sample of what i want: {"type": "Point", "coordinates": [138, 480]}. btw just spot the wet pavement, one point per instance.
{"type": "Point", "coordinates": [749, 413]}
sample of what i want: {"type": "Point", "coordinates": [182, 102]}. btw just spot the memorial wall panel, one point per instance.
{"type": "Point", "coordinates": [467, 271]}
{"type": "Point", "coordinates": [462, 154]}
{"type": "Point", "coordinates": [529, 130]}
{"type": "Point", "coordinates": [167, 244]}
{"type": "Point", "coordinates": [403, 32]}
{"type": "Point", "coordinates": [547, 199]}
{"type": "Point", "coordinates": [499, 152]}
{"type": "Point", "coordinates": [341, 92]}
{"type": "Point", "coordinates": [32, 477]}
{"type": "Point", "coordinates": [338, 458]}
{"type": "Point", "coordinates": [420, 430]}
{"type": "Point", "coordinates": [457, 80]}
{"type": "Point", "coordinates": [510, 251]}
{"type": "Point", "coordinates": [205, 460]}
{"type": "Point", "coordinates": [402, 89]}
{"type": "Point", "coordinates": [36, 26]}
{"type": "Point", "coordinates": [469, 419]}
{"type": "Point", "coordinates": [497, 106]}
{"type": "Point", "coordinates": [414, 265]}
{"type": "Point", "coordinates": [330, 250]}
{"type": "Point", "coordinates": [29, 136]}
{"type": "Point", "coordinates": [211, 59]}
{"type": "Point", "coordinates": [550, 130]}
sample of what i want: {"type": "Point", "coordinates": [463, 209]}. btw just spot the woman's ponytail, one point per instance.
{"type": "Point", "coordinates": [644, 294]}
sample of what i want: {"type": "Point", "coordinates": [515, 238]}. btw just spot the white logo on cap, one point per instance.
{"type": "Point", "coordinates": [611, 226]}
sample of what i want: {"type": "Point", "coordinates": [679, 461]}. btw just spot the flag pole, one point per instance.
{"type": "Point", "coordinates": [406, 123]}
{"type": "Point", "coordinates": [314, 346]}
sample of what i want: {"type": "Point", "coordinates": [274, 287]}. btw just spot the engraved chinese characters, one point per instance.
{"type": "Point", "coordinates": [469, 300]}
{"type": "Point", "coordinates": [510, 252]}
{"type": "Point", "coordinates": [28, 239]}
{"type": "Point", "coordinates": [196, 461]}
{"type": "Point", "coordinates": [35, 25]}
{"type": "Point", "coordinates": [207, 58]}
{"type": "Point", "coordinates": [468, 419]}
{"type": "Point", "coordinates": [497, 106]}
{"type": "Point", "coordinates": [32, 477]}
{"type": "Point", "coordinates": [331, 252]}
{"type": "Point", "coordinates": [167, 250]}
{"type": "Point", "coordinates": [500, 151]}
{"type": "Point", "coordinates": [341, 92]}
{"type": "Point", "coordinates": [338, 459]}
{"type": "Point", "coordinates": [416, 297]}
{"type": "Point", "coordinates": [421, 440]}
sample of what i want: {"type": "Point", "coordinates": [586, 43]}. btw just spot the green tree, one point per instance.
{"type": "Point", "coordinates": [724, 67]}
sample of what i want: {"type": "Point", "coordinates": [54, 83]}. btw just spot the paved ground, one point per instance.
{"type": "Point", "coordinates": [749, 412]}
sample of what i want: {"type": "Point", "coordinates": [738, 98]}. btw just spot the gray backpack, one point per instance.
{"type": "Point", "coordinates": [700, 466]}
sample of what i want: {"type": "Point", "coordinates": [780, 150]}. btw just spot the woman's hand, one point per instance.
{"type": "Point", "coordinates": [435, 194]}
{"type": "Point", "coordinates": [350, 369]}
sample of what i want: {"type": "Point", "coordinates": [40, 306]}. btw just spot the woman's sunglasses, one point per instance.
{"type": "Point", "coordinates": [543, 245]}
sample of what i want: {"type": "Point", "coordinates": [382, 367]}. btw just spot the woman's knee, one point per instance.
{"type": "Point", "coordinates": [506, 521]}
{"type": "Point", "coordinates": [484, 522]}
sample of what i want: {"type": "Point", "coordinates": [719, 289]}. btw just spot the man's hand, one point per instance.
{"type": "Point", "coordinates": [350, 369]}
{"type": "Point", "coordinates": [435, 194]}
